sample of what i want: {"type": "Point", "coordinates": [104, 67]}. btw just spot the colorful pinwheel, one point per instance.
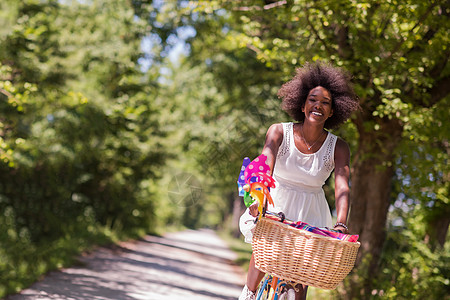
{"type": "Point", "coordinates": [255, 182]}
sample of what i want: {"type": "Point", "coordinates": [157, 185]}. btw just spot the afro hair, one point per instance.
{"type": "Point", "coordinates": [337, 81]}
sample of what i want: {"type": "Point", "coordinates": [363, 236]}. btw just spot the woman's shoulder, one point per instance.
{"type": "Point", "coordinates": [275, 129]}
{"type": "Point", "coordinates": [341, 149]}
{"type": "Point", "coordinates": [277, 126]}
{"type": "Point", "coordinates": [280, 127]}
{"type": "Point", "coordinates": [274, 139]}
{"type": "Point", "coordinates": [276, 132]}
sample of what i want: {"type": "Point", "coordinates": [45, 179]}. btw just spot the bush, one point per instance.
{"type": "Point", "coordinates": [410, 268]}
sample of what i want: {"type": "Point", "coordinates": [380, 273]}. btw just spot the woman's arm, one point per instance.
{"type": "Point", "coordinates": [341, 188]}
{"type": "Point", "coordinates": [274, 137]}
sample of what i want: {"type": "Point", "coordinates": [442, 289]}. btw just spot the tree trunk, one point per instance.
{"type": "Point", "coordinates": [438, 219]}
{"type": "Point", "coordinates": [437, 229]}
{"type": "Point", "coordinates": [372, 173]}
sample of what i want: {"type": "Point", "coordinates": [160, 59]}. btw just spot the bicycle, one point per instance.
{"type": "Point", "coordinates": [273, 288]}
{"type": "Point", "coordinates": [283, 276]}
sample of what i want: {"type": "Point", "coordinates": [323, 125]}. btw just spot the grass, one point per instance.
{"type": "Point", "coordinates": [319, 294]}
{"type": "Point", "coordinates": [241, 248]}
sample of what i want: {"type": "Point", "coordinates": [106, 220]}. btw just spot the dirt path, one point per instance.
{"type": "Point", "coordinates": [186, 265]}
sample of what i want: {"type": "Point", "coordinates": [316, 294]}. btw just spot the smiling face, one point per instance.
{"type": "Point", "coordinates": [318, 105]}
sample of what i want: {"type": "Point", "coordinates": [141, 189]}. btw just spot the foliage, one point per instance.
{"type": "Point", "coordinates": [398, 54]}
{"type": "Point", "coordinates": [80, 136]}
{"type": "Point", "coordinates": [212, 128]}
{"type": "Point", "coordinates": [415, 256]}
{"type": "Point", "coordinates": [411, 269]}
{"type": "Point", "coordinates": [96, 134]}
{"type": "Point", "coordinates": [423, 170]}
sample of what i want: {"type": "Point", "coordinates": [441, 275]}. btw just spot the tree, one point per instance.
{"type": "Point", "coordinates": [80, 139]}
{"type": "Point", "coordinates": [398, 53]}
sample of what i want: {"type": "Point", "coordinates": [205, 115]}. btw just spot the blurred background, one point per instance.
{"type": "Point", "coordinates": [120, 118]}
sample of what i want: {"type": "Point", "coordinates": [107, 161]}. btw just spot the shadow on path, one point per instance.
{"type": "Point", "coordinates": [185, 265]}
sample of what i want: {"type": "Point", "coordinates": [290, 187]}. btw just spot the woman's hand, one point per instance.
{"type": "Point", "coordinates": [253, 209]}
{"type": "Point", "coordinates": [341, 229]}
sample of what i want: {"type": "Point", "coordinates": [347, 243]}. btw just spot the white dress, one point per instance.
{"type": "Point", "coordinates": [299, 179]}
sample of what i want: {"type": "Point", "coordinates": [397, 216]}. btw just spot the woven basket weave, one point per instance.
{"type": "Point", "coordinates": [301, 256]}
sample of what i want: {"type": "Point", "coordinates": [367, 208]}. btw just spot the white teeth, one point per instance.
{"type": "Point", "coordinates": [316, 113]}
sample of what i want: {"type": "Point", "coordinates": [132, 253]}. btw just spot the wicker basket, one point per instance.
{"type": "Point", "coordinates": [302, 256]}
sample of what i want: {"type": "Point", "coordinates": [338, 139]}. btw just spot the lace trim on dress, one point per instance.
{"type": "Point", "coordinates": [286, 140]}
{"type": "Point", "coordinates": [328, 160]}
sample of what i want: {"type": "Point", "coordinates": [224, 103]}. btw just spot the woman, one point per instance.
{"type": "Point", "coordinates": [302, 155]}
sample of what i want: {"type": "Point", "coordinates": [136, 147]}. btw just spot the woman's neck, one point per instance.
{"type": "Point", "coordinates": [311, 132]}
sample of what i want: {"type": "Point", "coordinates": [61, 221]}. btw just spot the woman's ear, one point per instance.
{"type": "Point", "coordinates": [303, 108]}
{"type": "Point", "coordinates": [331, 113]}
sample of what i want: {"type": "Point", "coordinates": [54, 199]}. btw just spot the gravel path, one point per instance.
{"type": "Point", "coordinates": [184, 265]}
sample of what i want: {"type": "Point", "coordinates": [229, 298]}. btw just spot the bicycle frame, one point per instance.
{"type": "Point", "coordinates": [272, 288]}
